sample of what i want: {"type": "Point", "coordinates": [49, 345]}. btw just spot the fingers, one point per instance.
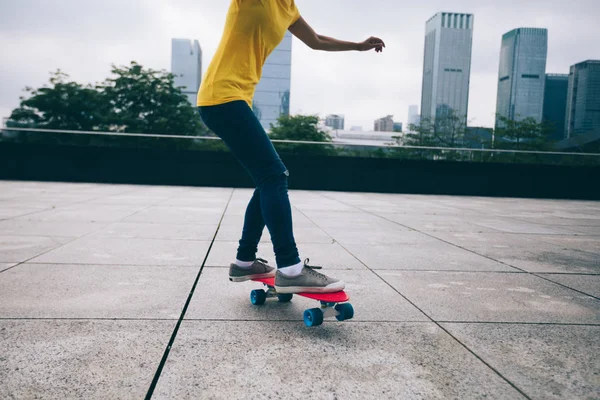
{"type": "Point", "coordinates": [375, 43]}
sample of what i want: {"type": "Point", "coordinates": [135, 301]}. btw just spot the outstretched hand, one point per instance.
{"type": "Point", "coordinates": [372, 43]}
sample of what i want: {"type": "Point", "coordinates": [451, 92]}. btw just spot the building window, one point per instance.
{"type": "Point", "coordinates": [504, 78]}
{"type": "Point", "coordinates": [443, 20]}
{"type": "Point", "coordinates": [530, 76]}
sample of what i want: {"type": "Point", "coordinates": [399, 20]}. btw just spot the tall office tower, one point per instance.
{"type": "Point", "coordinates": [413, 115]}
{"type": "Point", "coordinates": [555, 104]}
{"type": "Point", "coordinates": [186, 65]}
{"type": "Point", "coordinates": [272, 96]}
{"type": "Point", "coordinates": [447, 65]}
{"type": "Point", "coordinates": [583, 99]}
{"type": "Point", "coordinates": [335, 121]}
{"type": "Point", "coordinates": [385, 124]}
{"type": "Point", "coordinates": [522, 74]}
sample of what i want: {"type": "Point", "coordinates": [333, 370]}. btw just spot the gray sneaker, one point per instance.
{"type": "Point", "coordinates": [258, 270]}
{"type": "Point", "coordinates": [309, 281]}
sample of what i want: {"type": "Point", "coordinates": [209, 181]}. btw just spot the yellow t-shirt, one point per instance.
{"type": "Point", "coordinates": [252, 31]}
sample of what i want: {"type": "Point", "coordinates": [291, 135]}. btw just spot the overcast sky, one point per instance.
{"type": "Point", "coordinates": [84, 37]}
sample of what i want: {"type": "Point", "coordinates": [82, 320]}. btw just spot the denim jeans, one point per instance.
{"type": "Point", "coordinates": [236, 124]}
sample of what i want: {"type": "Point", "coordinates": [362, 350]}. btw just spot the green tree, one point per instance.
{"type": "Point", "coordinates": [147, 101]}
{"type": "Point", "coordinates": [301, 128]}
{"type": "Point", "coordinates": [133, 100]}
{"type": "Point", "coordinates": [446, 130]}
{"type": "Point", "coordinates": [61, 105]}
{"type": "Point", "coordinates": [523, 135]}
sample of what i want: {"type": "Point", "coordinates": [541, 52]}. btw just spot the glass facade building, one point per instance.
{"type": "Point", "coordinates": [186, 65]}
{"type": "Point", "coordinates": [335, 121]}
{"type": "Point", "coordinates": [522, 74]}
{"type": "Point", "coordinates": [555, 104]}
{"type": "Point", "coordinates": [272, 95]}
{"type": "Point", "coordinates": [447, 65]}
{"type": "Point", "coordinates": [583, 99]}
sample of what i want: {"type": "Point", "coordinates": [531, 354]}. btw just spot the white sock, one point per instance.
{"type": "Point", "coordinates": [243, 264]}
{"type": "Point", "coordinates": [292, 270]}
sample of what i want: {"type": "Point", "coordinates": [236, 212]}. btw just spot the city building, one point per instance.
{"type": "Point", "coordinates": [397, 126]}
{"type": "Point", "coordinates": [583, 99]}
{"type": "Point", "coordinates": [447, 65]}
{"type": "Point", "coordinates": [385, 124]}
{"type": "Point", "coordinates": [413, 115]}
{"type": "Point", "coordinates": [272, 95]}
{"type": "Point", "coordinates": [522, 74]}
{"type": "Point", "coordinates": [186, 65]}
{"type": "Point", "coordinates": [335, 121]}
{"type": "Point", "coordinates": [555, 104]}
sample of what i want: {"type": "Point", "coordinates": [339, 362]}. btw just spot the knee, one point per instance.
{"type": "Point", "coordinates": [274, 181]}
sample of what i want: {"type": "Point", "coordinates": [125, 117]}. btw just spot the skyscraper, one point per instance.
{"type": "Point", "coordinates": [583, 99]}
{"type": "Point", "coordinates": [186, 65]}
{"type": "Point", "coordinates": [385, 124]}
{"type": "Point", "coordinates": [447, 65]}
{"type": "Point", "coordinates": [335, 121]}
{"type": "Point", "coordinates": [272, 96]}
{"type": "Point", "coordinates": [522, 74]}
{"type": "Point", "coordinates": [413, 115]}
{"type": "Point", "coordinates": [555, 104]}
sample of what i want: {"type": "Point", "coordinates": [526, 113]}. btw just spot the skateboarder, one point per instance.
{"type": "Point", "coordinates": [253, 29]}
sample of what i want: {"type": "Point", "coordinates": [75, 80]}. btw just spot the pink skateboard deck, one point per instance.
{"type": "Point", "coordinates": [334, 297]}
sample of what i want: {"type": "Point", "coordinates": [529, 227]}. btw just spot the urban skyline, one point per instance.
{"type": "Point", "coordinates": [324, 79]}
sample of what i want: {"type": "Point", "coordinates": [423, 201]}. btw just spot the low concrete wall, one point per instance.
{"type": "Point", "coordinates": [196, 168]}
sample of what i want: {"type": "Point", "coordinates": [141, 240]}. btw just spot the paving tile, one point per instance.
{"type": "Point", "coordinates": [378, 235]}
{"type": "Point", "coordinates": [493, 297]}
{"type": "Point", "coordinates": [143, 230]}
{"type": "Point", "coordinates": [83, 212]}
{"type": "Point", "coordinates": [94, 291]}
{"type": "Point", "coordinates": [330, 256]}
{"type": "Point", "coordinates": [545, 361]}
{"type": "Point", "coordinates": [340, 360]}
{"type": "Point", "coordinates": [217, 298]}
{"type": "Point", "coordinates": [442, 223]}
{"type": "Point", "coordinates": [15, 248]}
{"type": "Point", "coordinates": [178, 215]}
{"type": "Point", "coordinates": [431, 256]}
{"type": "Point", "coordinates": [117, 251]}
{"type": "Point", "coordinates": [533, 253]}
{"type": "Point", "coordinates": [5, 266]}
{"type": "Point", "coordinates": [589, 244]}
{"type": "Point", "coordinates": [589, 284]}
{"type": "Point", "coordinates": [13, 212]}
{"type": "Point", "coordinates": [24, 227]}
{"type": "Point", "coordinates": [80, 359]}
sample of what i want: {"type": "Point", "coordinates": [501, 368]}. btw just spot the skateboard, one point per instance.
{"type": "Point", "coordinates": [332, 304]}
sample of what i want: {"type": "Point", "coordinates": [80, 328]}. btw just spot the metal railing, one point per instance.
{"type": "Point", "coordinates": [393, 150]}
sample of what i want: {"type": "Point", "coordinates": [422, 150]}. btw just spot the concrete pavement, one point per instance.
{"type": "Point", "coordinates": [454, 297]}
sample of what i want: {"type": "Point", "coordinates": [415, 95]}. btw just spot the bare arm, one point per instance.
{"type": "Point", "coordinates": [305, 33]}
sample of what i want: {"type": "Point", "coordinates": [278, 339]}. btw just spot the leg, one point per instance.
{"type": "Point", "coordinates": [277, 212]}
{"type": "Point", "coordinates": [241, 131]}
{"type": "Point", "coordinates": [254, 225]}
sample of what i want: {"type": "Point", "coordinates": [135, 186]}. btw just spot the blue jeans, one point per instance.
{"type": "Point", "coordinates": [236, 124]}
